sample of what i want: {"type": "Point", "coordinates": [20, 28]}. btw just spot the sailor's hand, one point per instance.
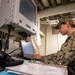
{"type": "Point", "coordinates": [37, 56]}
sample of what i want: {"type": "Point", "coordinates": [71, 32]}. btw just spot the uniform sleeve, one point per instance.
{"type": "Point", "coordinates": [55, 58]}
{"type": "Point", "coordinates": [48, 58]}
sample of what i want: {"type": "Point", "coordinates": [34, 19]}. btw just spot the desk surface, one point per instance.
{"type": "Point", "coordinates": [39, 69]}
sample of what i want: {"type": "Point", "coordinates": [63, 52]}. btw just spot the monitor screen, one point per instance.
{"type": "Point", "coordinates": [28, 9]}
{"type": "Point", "coordinates": [27, 47]}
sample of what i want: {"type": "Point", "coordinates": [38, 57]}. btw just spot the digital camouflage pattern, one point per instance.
{"type": "Point", "coordinates": [65, 55]}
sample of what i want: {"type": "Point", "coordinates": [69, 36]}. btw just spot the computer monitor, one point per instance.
{"type": "Point", "coordinates": [27, 49]}
{"type": "Point", "coordinates": [21, 14]}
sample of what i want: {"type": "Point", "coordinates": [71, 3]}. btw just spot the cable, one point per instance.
{"type": "Point", "coordinates": [13, 50]}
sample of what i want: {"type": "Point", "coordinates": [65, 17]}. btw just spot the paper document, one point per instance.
{"type": "Point", "coordinates": [38, 69]}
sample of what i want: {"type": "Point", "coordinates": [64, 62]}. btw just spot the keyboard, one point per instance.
{"type": "Point", "coordinates": [6, 60]}
{"type": "Point", "coordinates": [14, 62]}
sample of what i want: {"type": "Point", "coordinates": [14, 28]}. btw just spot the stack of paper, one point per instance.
{"type": "Point", "coordinates": [38, 69]}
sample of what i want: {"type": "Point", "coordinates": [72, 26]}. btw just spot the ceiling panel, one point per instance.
{"type": "Point", "coordinates": [58, 2]}
{"type": "Point", "coordinates": [45, 3]}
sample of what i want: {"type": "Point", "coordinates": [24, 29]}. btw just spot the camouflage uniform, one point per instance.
{"type": "Point", "coordinates": [65, 55]}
